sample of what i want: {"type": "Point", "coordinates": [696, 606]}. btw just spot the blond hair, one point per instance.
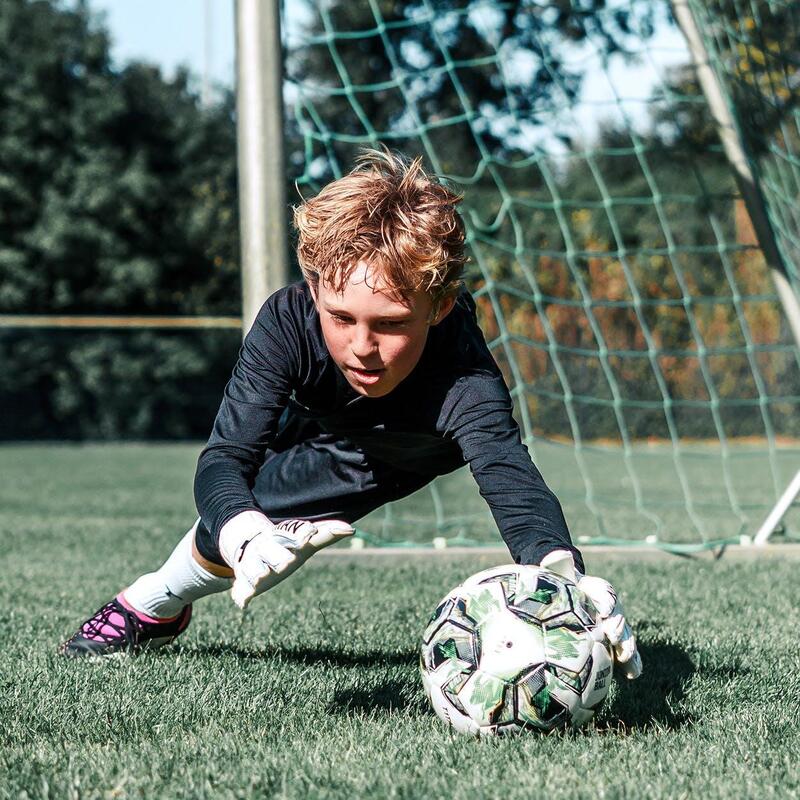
{"type": "Point", "coordinates": [390, 213]}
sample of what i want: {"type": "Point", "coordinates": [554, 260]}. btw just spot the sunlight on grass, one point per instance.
{"type": "Point", "coordinates": [316, 692]}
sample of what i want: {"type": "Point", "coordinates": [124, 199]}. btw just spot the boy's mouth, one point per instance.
{"type": "Point", "coordinates": [366, 375]}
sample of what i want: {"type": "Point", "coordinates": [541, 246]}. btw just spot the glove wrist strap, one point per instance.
{"type": "Point", "coordinates": [238, 530]}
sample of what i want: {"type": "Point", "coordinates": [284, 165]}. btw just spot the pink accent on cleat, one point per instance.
{"type": "Point", "coordinates": [109, 628]}
{"type": "Point", "coordinates": [116, 627]}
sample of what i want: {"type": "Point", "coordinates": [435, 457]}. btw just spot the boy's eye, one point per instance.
{"type": "Point", "coordinates": [340, 320]}
{"type": "Point", "coordinates": [395, 323]}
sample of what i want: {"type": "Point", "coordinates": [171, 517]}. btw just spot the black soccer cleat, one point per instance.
{"type": "Point", "coordinates": [115, 628]}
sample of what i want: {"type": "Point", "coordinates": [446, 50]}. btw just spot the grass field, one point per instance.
{"type": "Point", "coordinates": [315, 693]}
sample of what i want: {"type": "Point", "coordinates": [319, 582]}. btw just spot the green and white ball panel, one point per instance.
{"type": "Point", "coordinates": [599, 679]}
{"type": "Point", "coordinates": [515, 648]}
{"type": "Point", "coordinates": [509, 645]}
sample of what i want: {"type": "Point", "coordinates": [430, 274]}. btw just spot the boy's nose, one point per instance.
{"type": "Point", "coordinates": [363, 342]}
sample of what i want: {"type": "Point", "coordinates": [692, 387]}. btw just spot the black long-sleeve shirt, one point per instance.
{"type": "Point", "coordinates": [453, 408]}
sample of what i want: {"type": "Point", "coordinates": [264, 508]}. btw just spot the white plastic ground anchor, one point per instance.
{"type": "Point", "coordinates": [357, 544]}
{"type": "Point", "coordinates": [778, 511]}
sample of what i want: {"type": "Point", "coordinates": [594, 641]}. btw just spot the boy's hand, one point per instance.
{"type": "Point", "coordinates": [609, 608]}
{"type": "Point", "coordinates": [264, 559]}
{"type": "Point", "coordinates": [615, 626]}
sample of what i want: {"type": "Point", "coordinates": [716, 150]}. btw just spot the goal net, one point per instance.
{"type": "Point", "coordinates": [618, 276]}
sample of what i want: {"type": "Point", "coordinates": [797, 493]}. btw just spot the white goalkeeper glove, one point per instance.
{"type": "Point", "coordinates": [605, 600]}
{"type": "Point", "coordinates": [264, 555]}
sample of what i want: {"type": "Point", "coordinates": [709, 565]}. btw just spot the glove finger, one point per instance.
{"type": "Point", "coordinates": [248, 575]}
{"type": "Point", "coordinates": [562, 563]}
{"type": "Point", "coordinates": [293, 533]}
{"type": "Point", "coordinates": [242, 592]}
{"type": "Point", "coordinates": [626, 654]}
{"type": "Point", "coordinates": [626, 646]}
{"type": "Point", "coordinates": [262, 558]}
{"type": "Point", "coordinates": [329, 531]}
{"type": "Point", "coordinates": [614, 628]}
{"type": "Point", "coordinates": [269, 555]}
{"type": "Point", "coordinates": [601, 593]}
{"type": "Point", "coordinates": [247, 587]}
{"type": "Point", "coordinates": [632, 668]}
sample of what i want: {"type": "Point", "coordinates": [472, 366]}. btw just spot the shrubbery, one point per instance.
{"type": "Point", "coordinates": [117, 196]}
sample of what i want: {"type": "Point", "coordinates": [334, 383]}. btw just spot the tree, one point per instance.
{"type": "Point", "coordinates": [112, 180]}
{"type": "Point", "coordinates": [117, 195]}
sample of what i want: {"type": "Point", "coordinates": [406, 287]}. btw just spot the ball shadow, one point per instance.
{"type": "Point", "coordinates": [385, 697]}
{"type": "Point", "coordinates": [654, 699]}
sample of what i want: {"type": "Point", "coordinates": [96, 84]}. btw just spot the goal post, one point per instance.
{"type": "Point", "coordinates": [735, 152]}
{"type": "Point", "coordinates": [261, 160]}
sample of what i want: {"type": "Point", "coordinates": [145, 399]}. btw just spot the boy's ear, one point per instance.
{"type": "Point", "coordinates": [445, 307]}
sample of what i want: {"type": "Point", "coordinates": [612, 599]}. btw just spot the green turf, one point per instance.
{"type": "Point", "coordinates": [98, 474]}
{"type": "Point", "coordinates": [607, 497]}
{"type": "Point", "coordinates": [315, 693]}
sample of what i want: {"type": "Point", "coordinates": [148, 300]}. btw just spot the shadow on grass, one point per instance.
{"type": "Point", "coordinates": [653, 700]}
{"type": "Point", "coordinates": [321, 655]}
{"type": "Point", "coordinates": [386, 696]}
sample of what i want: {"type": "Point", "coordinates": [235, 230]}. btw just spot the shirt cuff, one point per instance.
{"type": "Point", "coordinates": [238, 530]}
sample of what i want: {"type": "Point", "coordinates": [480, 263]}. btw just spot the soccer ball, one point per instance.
{"type": "Point", "coordinates": [515, 648]}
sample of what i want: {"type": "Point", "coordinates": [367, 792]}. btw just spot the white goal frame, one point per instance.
{"type": "Point", "coordinates": [778, 512]}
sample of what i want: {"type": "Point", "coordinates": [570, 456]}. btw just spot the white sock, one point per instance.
{"type": "Point", "coordinates": [179, 581]}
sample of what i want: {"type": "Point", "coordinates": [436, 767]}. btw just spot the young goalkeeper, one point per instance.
{"type": "Point", "coordinates": [353, 388]}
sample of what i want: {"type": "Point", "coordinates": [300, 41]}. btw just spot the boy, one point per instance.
{"type": "Point", "coordinates": [353, 388]}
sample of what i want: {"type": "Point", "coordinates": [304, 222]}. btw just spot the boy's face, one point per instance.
{"type": "Point", "coordinates": [375, 337]}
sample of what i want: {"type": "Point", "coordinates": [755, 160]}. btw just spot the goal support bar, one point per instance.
{"type": "Point", "coordinates": [776, 515]}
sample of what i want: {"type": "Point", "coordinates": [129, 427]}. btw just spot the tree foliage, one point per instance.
{"type": "Point", "coordinates": [117, 189]}
{"type": "Point", "coordinates": [117, 196]}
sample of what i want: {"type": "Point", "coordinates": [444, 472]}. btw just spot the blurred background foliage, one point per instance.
{"type": "Point", "coordinates": [118, 196]}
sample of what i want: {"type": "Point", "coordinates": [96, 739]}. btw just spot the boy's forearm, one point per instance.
{"type": "Point", "coordinates": [221, 493]}
{"type": "Point", "coordinates": [248, 418]}
{"type": "Point", "coordinates": [527, 513]}
{"type": "Point", "coordinates": [534, 527]}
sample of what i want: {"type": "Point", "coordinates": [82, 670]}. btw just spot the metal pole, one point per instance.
{"type": "Point", "coordinates": [262, 173]}
{"type": "Point", "coordinates": [734, 150]}
{"type": "Point", "coordinates": [778, 512]}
